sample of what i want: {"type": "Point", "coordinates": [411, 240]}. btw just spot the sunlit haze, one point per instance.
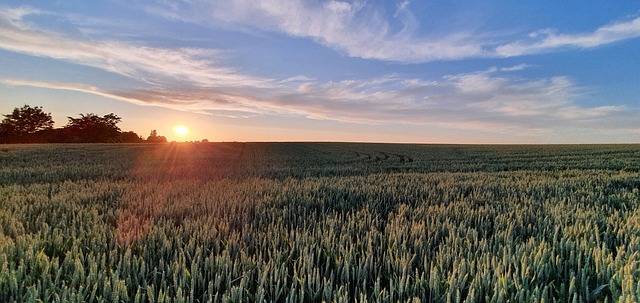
{"type": "Point", "coordinates": [181, 130]}
{"type": "Point", "coordinates": [377, 71]}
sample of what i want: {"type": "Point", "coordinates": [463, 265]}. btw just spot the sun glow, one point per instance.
{"type": "Point", "coordinates": [181, 130]}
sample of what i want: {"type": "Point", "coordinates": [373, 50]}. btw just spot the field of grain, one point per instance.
{"type": "Point", "coordinates": [313, 222]}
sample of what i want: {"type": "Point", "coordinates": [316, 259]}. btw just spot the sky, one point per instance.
{"type": "Point", "coordinates": [367, 71]}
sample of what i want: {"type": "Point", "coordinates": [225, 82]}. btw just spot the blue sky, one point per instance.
{"type": "Point", "coordinates": [381, 71]}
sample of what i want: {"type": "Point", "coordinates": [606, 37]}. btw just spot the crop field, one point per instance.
{"type": "Point", "coordinates": [314, 222]}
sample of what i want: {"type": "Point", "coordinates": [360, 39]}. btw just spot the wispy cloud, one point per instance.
{"type": "Point", "coordinates": [155, 66]}
{"type": "Point", "coordinates": [14, 15]}
{"type": "Point", "coordinates": [356, 28]}
{"type": "Point", "coordinates": [298, 78]}
{"type": "Point", "coordinates": [361, 29]}
{"type": "Point", "coordinates": [192, 79]}
{"type": "Point", "coordinates": [192, 99]}
{"type": "Point", "coordinates": [69, 87]}
{"type": "Point", "coordinates": [468, 101]}
{"type": "Point", "coordinates": [477, 101]}
{"type": "Point", "coordinates": [548, 40]}
{"type": "Point", "coordinates": [515, 68]}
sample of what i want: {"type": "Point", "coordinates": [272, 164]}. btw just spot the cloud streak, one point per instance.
{"type": "Point", "coordinates": [360, 29]}
{"type": "Point", "coordinates": [191, 79]}
{"type": "Point", "coordinates": [475, 101]}
{"type": "Point", "coordinates": [355, 28]}
{"type": "Point", "coordinates": [548, 40]}
{"type": "Point", "coordinates": [154, 66]}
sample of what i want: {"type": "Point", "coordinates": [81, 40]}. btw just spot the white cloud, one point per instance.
{"type": "Point", "coordinates": [298, 78]}
{"type": "Point", "coordinates": [478, 83]}
{"type": "Point", "coordinates": [548, 40]}
{"type": "Point", "coordinates": [474, 101]}
{"type": "Point", "coordinates": [467, 101]}
{"type": "Point", "coordinates": [14, 15]}
{"type": "Point", "coordinates": [515, 68]}
{"type": "Point", "coordinates": [191, 79]}
{"type": "Point", "coordinates": [356, 28]}
{"type": "Point", "coordinates": [70, 87]}
{"type": "Point", "coordinates": [143, 63]}
{"type": "Point", "coordinates": [361, 29]}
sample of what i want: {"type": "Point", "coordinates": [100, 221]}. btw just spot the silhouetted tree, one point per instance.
{"type": "Point", "coordinates": [130, 137]}
{"type": "Point", "coordinates": [154, 138]}
{"type": "Point", "coordinates": [7, 134]}
{"type": "Point", "coordinates": [28, 120]}
{"type": "Point", "coordinates": [93, 128]}
{"type": "Point", "coordinates": [54, 135]}
{"type": "Point", "coordinates": [32, 125]}
{"type": "Point", "coordinates": [22, 123]}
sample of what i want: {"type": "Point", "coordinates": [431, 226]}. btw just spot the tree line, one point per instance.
{"type": "Point", "coordinates": [33, 125]}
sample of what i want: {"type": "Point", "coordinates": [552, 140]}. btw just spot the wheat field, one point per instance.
{"type": "Point", "coordinates": [319, 222]}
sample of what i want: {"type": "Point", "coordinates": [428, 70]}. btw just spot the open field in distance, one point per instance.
{"type": "Point", "coordinates": [313, 222]}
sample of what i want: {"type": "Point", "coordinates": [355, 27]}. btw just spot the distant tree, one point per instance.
{"type": "Point", "coordinates": [130, 137]}
{"type": "Point", "coordinates": [54, 135]}
{"type": "Point", "coordinates": [93, 128]}
{"type": "Point", "coordinates": [28, 120]}
{"type": "Point", "coordinates": [23, 122]}
{"type": "Point", "coordinates": [154, 138]}
{"type": "Point", "coordinates": [32, 125]}
{"type": "Point", "coordinates": [205, 140]}
{"type": "Point", "coordinates": [7, 134]}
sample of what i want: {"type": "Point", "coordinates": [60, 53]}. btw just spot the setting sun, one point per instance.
{"type": "Point", "coordinates": [181, 130]}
